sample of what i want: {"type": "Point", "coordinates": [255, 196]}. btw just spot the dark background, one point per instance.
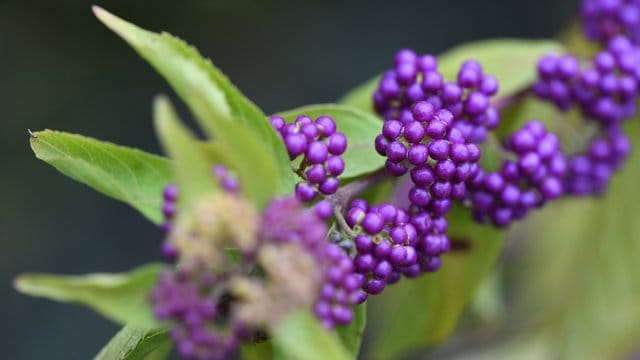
{"type": "Point", "coordinates": [60, 68]}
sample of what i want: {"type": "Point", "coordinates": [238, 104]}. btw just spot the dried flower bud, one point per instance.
{"type": "Point", "coordinates": [292, 284]}
{"type": "Point", "coordinates": [218, 222]}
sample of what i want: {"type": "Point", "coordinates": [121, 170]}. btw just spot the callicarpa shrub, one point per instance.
{"type": "Point", "coordinates": [278, 230]}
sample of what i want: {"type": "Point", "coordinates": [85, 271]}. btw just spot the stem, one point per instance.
{"type": "Point", "coordinates": [341, 198]}
{"type": "Point", "coordinates": [349, 191]}
{"type": "Point", "coordinates": [503, 102]}
{"type": "Point", "coordinates": [342, 223]}
{"type": "Point", "coordinates": [300, 170]}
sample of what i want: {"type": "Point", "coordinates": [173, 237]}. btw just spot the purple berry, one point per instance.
{"type": "Point", "coordinates": [296, 144]}
{"type": "Point", "coordinates": [305, 192]}
{"type": "Point", "coordinates": [337, 143]}
{"type": "Point", "coordinates": [335, 165]}
{"type": "Point", "coordinates": [327, 125]}
{"type": "Point", "coordinates": [329, 186]}
{"type": "Point", "coordinates": [372, 223]}
{"type": "Point", "coordinates": [170, 193]}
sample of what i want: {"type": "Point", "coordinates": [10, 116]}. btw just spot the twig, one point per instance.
{"type": "Point", "coordinates": [351, 190]}
{"type": "Point", "coordinates": [342, 223]}
{"type": "Point", "coordinates": [341, 198]}
{"type": "Point", "coordinates": [503, 102]}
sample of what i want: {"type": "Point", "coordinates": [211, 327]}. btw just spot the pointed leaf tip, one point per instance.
{"type": "Point", "coordinates": [17, 284]}
{"type": "Point", "coordinates": [97, 9]}
{"type": "Point", "coordinates": [126, 30]}
{"type": "Point", "coordinates": [161, 103]}
{"type": "Point", "coordinates": [102, 14]}
{"type": "Point", "coordinates": [222, 111]}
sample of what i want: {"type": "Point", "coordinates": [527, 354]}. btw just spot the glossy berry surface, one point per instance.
{"type": "Point", "coordinates": [319, 147]}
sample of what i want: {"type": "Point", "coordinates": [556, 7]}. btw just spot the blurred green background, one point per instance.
{"type": "Point", "coordinates": [62, 69]}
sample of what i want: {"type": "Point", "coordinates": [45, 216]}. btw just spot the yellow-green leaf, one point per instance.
{"type": "Point", "coordinates": [126, 174]}
{"type": "Point", "coordinates": [131, 343]}
{"type": "Point", "coordinates": [121, 297]}
{"type": "Point", "coordinates": [211, 97]}
{"type": "Point", "coordinates": [351, 334]}
{"type": "Point", "coordinates": [300, 336]}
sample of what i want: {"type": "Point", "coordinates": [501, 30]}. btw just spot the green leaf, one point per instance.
{"type": "Point", "coordinates": [425, 311]}
{"type": "Point", "coordinates": [162, 352]}
{"type": "Point", "coordinates": [257, 351]}
{"type": "Point", "coordinates": [360, 128]}
{"type": "Point", "coordinates": [511, 61]}
{"type": "Point", "coordinates": [126, 174]}
{"type": "Point", "coordinates": [532, 346]}
{"type": "Point", "coordinates": [121, 297]}
{"type": "Point", "coordinates": [301, 337]}
{"type": "Point", "coordinates": [131, 343]}
{"type": "Point", "coordinates": [488, 305]}
{"type": "Point", "coordinates": [585, 290]}
{"type": "Point", "coordinates": [192, 168]}
{"type": "Point", "coordinates": [351, 334]}
{"type": "Point", "coordinates": [212, 98]}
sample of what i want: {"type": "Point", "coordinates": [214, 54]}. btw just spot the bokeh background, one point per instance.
{"type": "Point", "coordinates": [61, 69]}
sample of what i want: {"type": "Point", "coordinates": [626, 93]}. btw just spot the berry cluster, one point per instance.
{"type": "Point", "coordinates": [416, 78]}
{"type": "Point", "coordinates": [286, 221]}
{"type": "Point", "coordinates": [341, 289]}
{"type": "Point", "coordinates": [604, 90]}
{"type": "Point", "coordinates": [440, 161]}
{"type": "Point", "coordinates": [591, 172]}
{"type": "Point", "coordinates": [187, 298]}
{"type": "Point", "coordinates": [210, 313]}
{"type": "Point", "coordinates": [320, 146]}
{"type": "Point", "coordinates": [432, 129]}
{"type": "Point", "coordinates": [388, 245]}
{"type": "Point", "coordinates": [435, 151]}
{"type": "Point", "coordinates": [604, 19]}
{"type": "Point", "coordinates": [534, 177]}
{"type": "Point", "coordinates": [557, 75]}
